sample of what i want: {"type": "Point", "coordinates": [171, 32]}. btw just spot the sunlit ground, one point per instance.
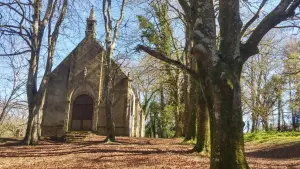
{"type": "Point", "coordinates": [137, 153]}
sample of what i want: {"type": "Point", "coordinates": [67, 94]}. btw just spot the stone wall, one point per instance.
{"type": "Point", "coordinates": [55, 102]}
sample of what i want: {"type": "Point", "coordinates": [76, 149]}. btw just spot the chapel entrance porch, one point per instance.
{"type": "Point", "coordinates": [82, 113]}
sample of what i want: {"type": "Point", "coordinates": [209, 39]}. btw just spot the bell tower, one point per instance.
{"type": "Point", "coordinates": [91, 25]}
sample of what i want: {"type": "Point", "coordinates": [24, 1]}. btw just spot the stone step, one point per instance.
{"type": "Point", "coordinates": [77, 136]}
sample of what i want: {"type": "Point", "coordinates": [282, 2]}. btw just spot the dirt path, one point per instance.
{"type": "Point", "coordinates": [131, 153]}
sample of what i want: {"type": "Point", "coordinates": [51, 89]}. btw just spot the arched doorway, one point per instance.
{"type": "Point", "coordinates": [82, 113]}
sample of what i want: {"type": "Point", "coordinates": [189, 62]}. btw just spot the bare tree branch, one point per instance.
{"type": "Point", "coordinates": [16, 53]}
{"type": "Point", "coordinates": [248, 24]}
{"type": "Point", "coordinates": [283, 10]}
{"type": "Point", "coordinates": [162, 57]}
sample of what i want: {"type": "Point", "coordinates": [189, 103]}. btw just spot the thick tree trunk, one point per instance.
{"type": "Point", "coordinates": [110, 126]}
{"type": "Point", "coordinates": [178, 120]}
{"type": "Point", "coordinates": [175, 101]}
{"type": "Point", "coordinates": [178, 128]}
{"type": "Point", "coordinates": [30, 123]}
{"type": "Point", "coordinates": [226, 122]}
{"type": "Point", "coordinates": [203, 131]}
{"type": "Point", "coordinates": [192, 111]}
{"type": "Point", "coordinates": [36, 101]}
{"type": "Point", "coordinates": [31, 135]}
{"type": "Point", "coordinates": [39, 109]}
{"type": "Point", "coordinates": [34, 135]}
{"type": "Point", "coordinates": [31, 91]}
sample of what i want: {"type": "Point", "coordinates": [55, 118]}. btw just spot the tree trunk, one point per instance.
{"type": "Point", "coordinates": [265, 124]}
{"type": "Point", "coordinates": [186, 101]}
{"type": "Point", "coordinates": [150, 124]}
{"type": "Point", "coordinates": [111, 37]}
{"type": "Point", "coordinates": [190, 106]}
{"type": "Point", "coordinates": [253, 103]}
{"type": "Point", "coordinates": [278, 121]}
{"type": "Point", "coordinates": [226, 122]}
{"type": "Point", "coordinates": [154, 124]}
{"type": "Point", "coordinates": [192, 111]}
{"type": "Point", "coordinates": [31, 91]}
{"type": "Point", "coordinates": [30, 123]}
{"type": "Point", "coordinates": [203, 134]}
{"type": "Point", "coordinates": [40, 107]}
{"type": "Point", "coordinates": [283, 122]}
{"type": "Point", "coordinates": [294, 124]}
{"type": "Point", "coordinates": [175, 101]}
{"type": "Point", "coordinates": [178, 131]}
{"type": "Point", "coordinates": [292, 107]}
{"type": "Point", "coordinates": [162, 98]}
{"type": "Point", "coordinates": [36, 97]}
{"type": "Point", "coordinates": [110, 126]}
{"type": "Point", "coordinates": [162, 103]}
{"type": "Point", "coordinates": [279, 115]}
{"type": "Point", "coordinates": [178, 121]}
{"type": "Point", "coordinates": [254, 119]}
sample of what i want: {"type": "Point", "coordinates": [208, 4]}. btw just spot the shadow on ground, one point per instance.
{"type": "Point", "coordinates": [286, 151]}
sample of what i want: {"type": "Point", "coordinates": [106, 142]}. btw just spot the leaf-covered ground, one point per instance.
{"type": "Point", "coordinates": [136, 153]}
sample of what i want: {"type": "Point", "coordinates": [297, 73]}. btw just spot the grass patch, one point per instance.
{"type": "Point", "coordinates": [272, 137]}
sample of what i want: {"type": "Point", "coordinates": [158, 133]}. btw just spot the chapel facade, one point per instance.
{"type": "Point", "coordinates": [74, 100]}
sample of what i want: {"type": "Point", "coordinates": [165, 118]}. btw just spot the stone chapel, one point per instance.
{"type": "Point", "coordinates": [74, 100]}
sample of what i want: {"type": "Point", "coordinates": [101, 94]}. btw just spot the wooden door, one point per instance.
{"type": "Point", "coordinates": [82, 113]}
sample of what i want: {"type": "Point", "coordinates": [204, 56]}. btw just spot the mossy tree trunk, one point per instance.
{"type": "Point", "coordinates": [175, 102]}
{"type": "Point", "coordinates": [186, 102]}
{"type": "Point", "coordinates": [203, 128]}
{"type": "Point", "coordinates": [223, 97]}
{"type": "Point", "coordinates": [190, 99]}
{"type": "Point", "coordinates": [192, 112]}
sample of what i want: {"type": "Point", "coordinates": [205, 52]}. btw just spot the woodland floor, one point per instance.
{"type": "Point", "coordinates": [135, 153]}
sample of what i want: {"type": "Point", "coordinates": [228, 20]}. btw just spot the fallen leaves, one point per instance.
{"type": "Point", "coordinates": [128, 153]}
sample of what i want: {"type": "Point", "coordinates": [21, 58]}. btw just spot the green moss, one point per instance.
{"type": "Point", "coordinates": [230, 84]}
